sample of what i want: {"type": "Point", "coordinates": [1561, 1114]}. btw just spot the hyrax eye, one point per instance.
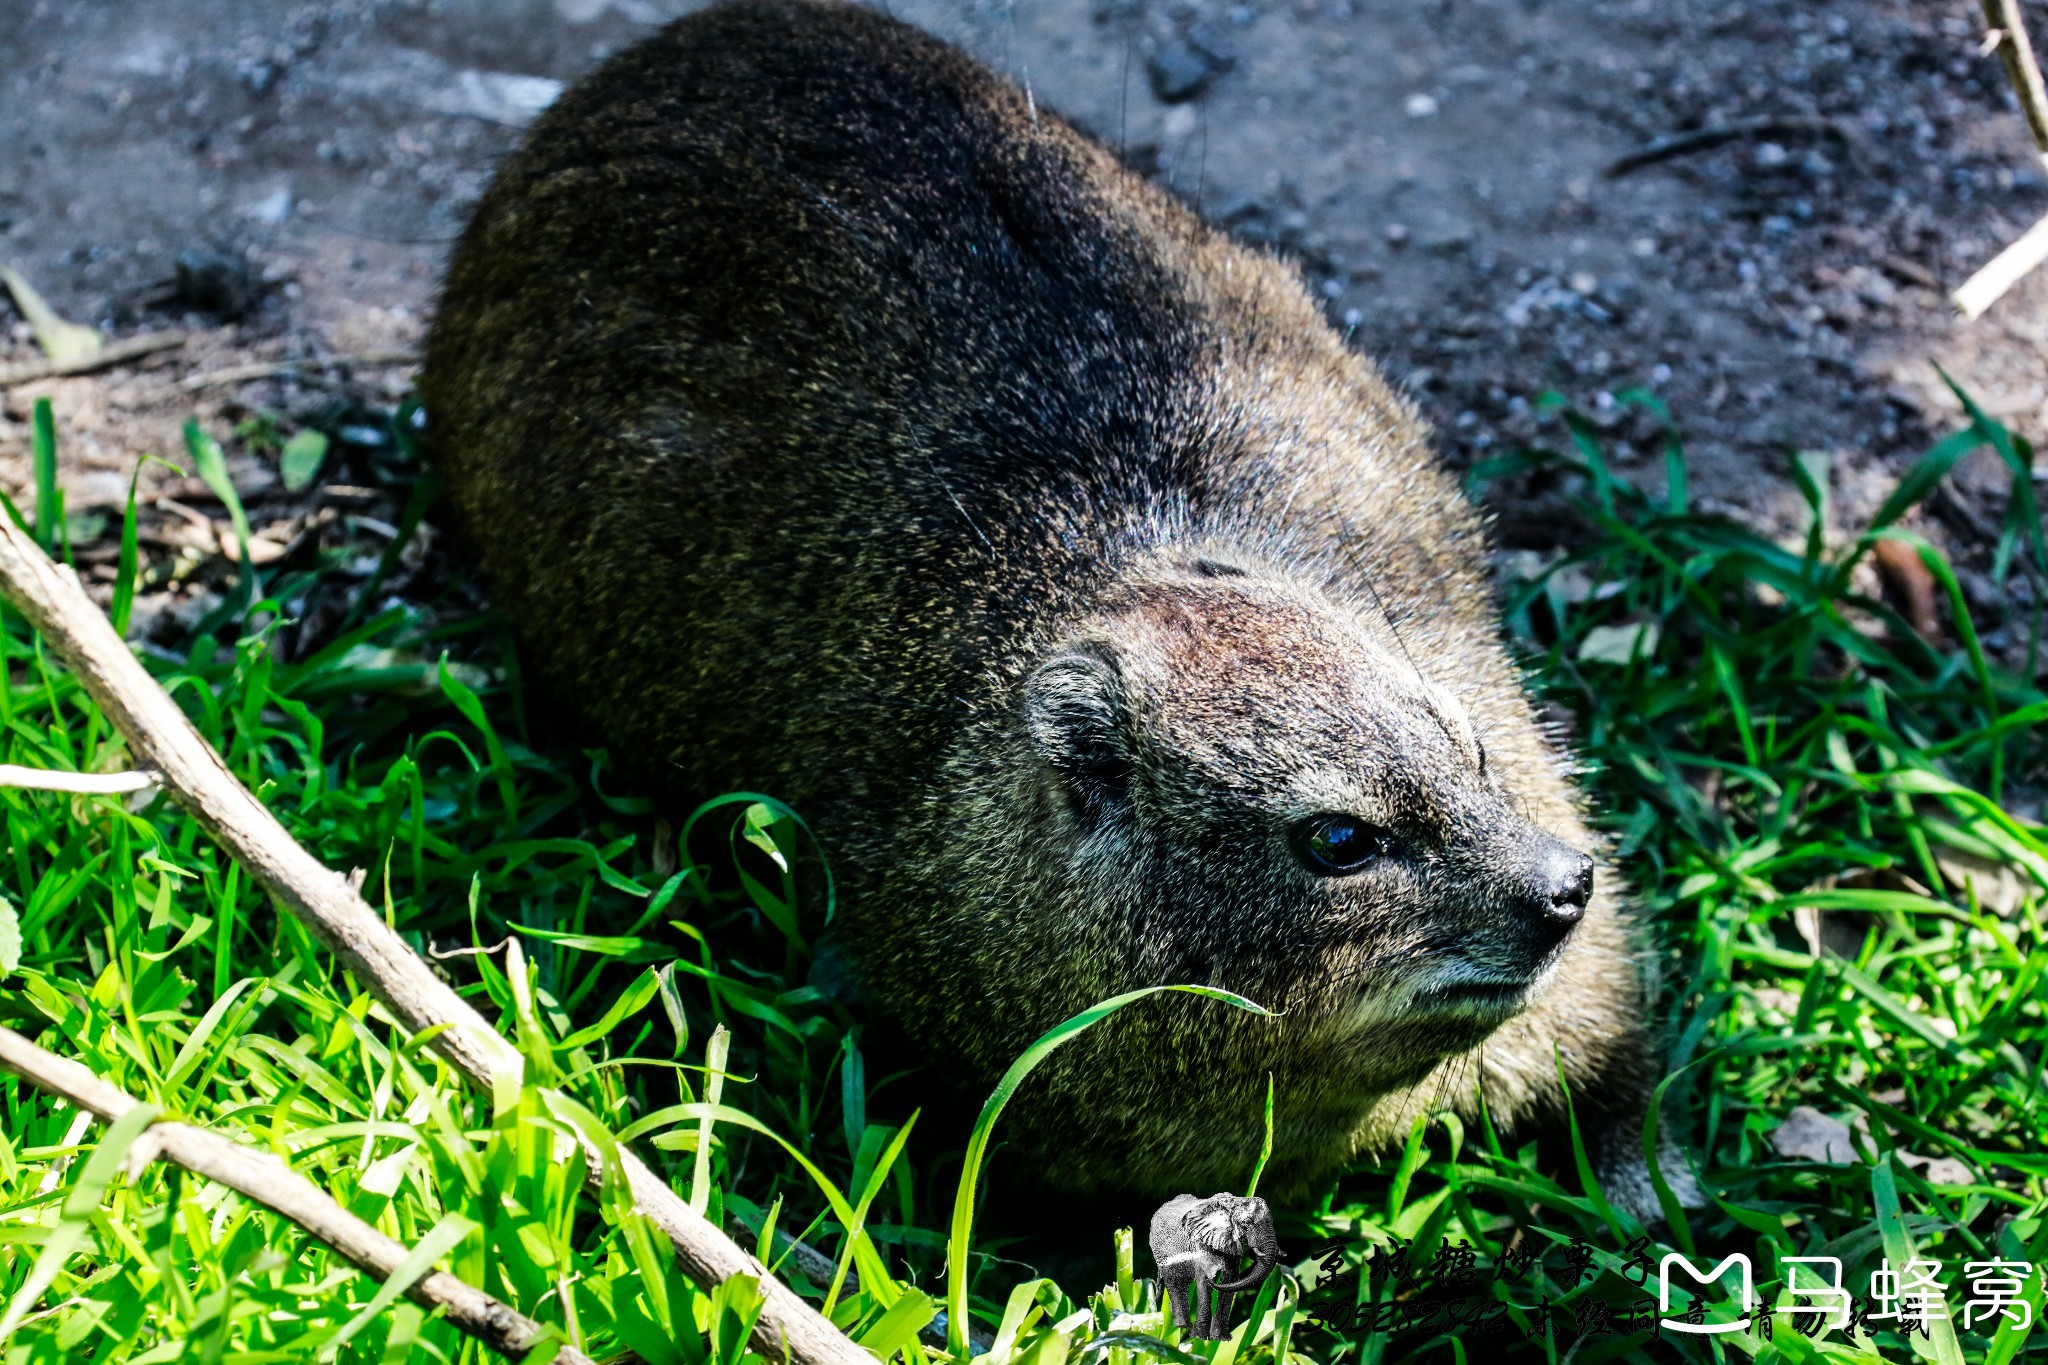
{"type": "Point", "coordinates": [1337, 845]}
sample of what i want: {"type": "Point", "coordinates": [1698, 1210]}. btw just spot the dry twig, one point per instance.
{"type": "Point", "coordinates": [1912, 272]}
{"type": "Point", "coordinates": [106, 357]}
{"type": "Point", "coordinates": [164, 741]}
{"type": "Point", "coordinates": [2002, 272]}
{"type": "Point", "coordinates": [1713, 135]}
{"type": "Point", "coordinates": [2017, 52]}
{"type": "Point", "coordinates": [815, 1266]}
{"type": "Point", "coordinates": [268, 1180]}
{"type": "Point", "coordinates": [299, 369]}
{"type": "Point", "coordinates": [2007, 268]}
{"type": "Point", "coordinates": [83, 784]}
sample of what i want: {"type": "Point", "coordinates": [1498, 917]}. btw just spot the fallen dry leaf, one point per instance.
{"type": "Point", "coordinates": [2000, 887]}
{"type": "Point", "coordinates": [61, 341]}
{"type": "Point", "coordinates": [1911, 582]}
{"type": "Point", "coordinates": [1938, 1170]}
{"type": "Point", "coordinates": [1809, 1135]}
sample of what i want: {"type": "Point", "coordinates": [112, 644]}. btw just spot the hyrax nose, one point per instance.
{"type": "Point", "coordinates": [1565, 886]}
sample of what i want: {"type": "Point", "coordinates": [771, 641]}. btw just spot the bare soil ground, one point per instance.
{"type": "Point", "coordinates": [281, 182]}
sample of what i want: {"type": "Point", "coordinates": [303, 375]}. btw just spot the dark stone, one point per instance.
{"type": "Point", "coordinates": [258, 76]}
{"type": "Point", "coordinates": [216, 282]}
{"type": "Point", "coordinates": [1180, 71]}
{"type": "Point", "coordinates": [1211, 45]}
{"type": "Point", "coordinates": [1241, 209]}
{"type": "Point", "coordinates": [1249, 219]}
{"type": "Point", "coordinates": [1618, 296]}
{"type": "Point", "coordinates": [1143, 157]}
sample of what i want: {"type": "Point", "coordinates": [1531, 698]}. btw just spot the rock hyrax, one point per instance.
{"type": "Point", "coordinates": [834, 421]}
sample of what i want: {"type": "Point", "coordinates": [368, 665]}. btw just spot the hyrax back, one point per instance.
{"type": "Point", "coordinates": [834, 422]}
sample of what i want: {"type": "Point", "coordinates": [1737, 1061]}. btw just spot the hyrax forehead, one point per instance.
{"type": "Point", "coordinates": [1256, 686]}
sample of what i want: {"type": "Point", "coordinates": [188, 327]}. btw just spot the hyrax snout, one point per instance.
{"type": "Point", "coordinates": [835, 421]}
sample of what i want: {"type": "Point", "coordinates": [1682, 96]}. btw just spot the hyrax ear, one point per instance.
{"type": "Point", "coordinates": [1076, 714]}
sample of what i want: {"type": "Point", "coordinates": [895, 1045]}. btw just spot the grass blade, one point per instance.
{"type": "Point", "coordinates": [977, 1141]}
{"type": "Point", "coordinates": [212, 468]}
{"type": "Point", "coordinates": [441, 1239]}
{"type": "Point", "coordinates": [49, 498]}
{"type": "Point", "coordinates": [80, 1204]}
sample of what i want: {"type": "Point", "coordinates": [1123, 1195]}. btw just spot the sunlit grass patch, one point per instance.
{"type": "Point", "coordinates": [1832, 823]}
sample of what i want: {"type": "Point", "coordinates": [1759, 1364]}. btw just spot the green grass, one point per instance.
{"type": "Point", "coordinates": [1764, 746]}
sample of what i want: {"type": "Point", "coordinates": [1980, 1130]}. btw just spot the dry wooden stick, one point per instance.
{"type": "Point", "coordinates": [107, 356]}
{"type": "Point", "coordinates": [2007, 268]}
{"type": "Point", "coordinates": [2007, 26]}
{"type": "Point", "coordinates": [164, 742]}
{"type": "Point", "coordinates": [270, 1181]}
{"type": "Point", "coordinates": [815, 1266]}
{"type": "Point", "coordinates": [1714, 134]}
{"type": "Point", "coordinates": [272, 368]}
{"type": "Point", "coordinates": [83, 784]}
{"type": "Point", "coordinates": [2002, 272]}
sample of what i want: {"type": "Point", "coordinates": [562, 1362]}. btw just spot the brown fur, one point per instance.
{"type": "Point", "coordinates": [833, 422]}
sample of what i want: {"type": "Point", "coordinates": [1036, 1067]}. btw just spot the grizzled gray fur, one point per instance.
{"type": "Point", "coordinates": [834, 422]}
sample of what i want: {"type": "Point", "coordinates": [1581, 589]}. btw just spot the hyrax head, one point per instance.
{"type": "Point", "coordinates": [1258, 785]}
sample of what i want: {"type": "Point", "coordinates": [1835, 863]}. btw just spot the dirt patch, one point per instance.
{"type": "Point", "coordinates": [1436, 168]}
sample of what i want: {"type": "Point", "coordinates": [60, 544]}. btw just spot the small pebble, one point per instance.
{"type": "Point", "coordinates": [272, 208]}
{"type": "Point", "coordinates": [1180, 70]}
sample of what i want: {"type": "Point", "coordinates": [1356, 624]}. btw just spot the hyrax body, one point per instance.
{"type": "Point", "coordinates": [834, 422]}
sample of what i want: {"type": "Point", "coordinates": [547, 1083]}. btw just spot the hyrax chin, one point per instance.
{"type": "Point", "coordinates": [835, 422]}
